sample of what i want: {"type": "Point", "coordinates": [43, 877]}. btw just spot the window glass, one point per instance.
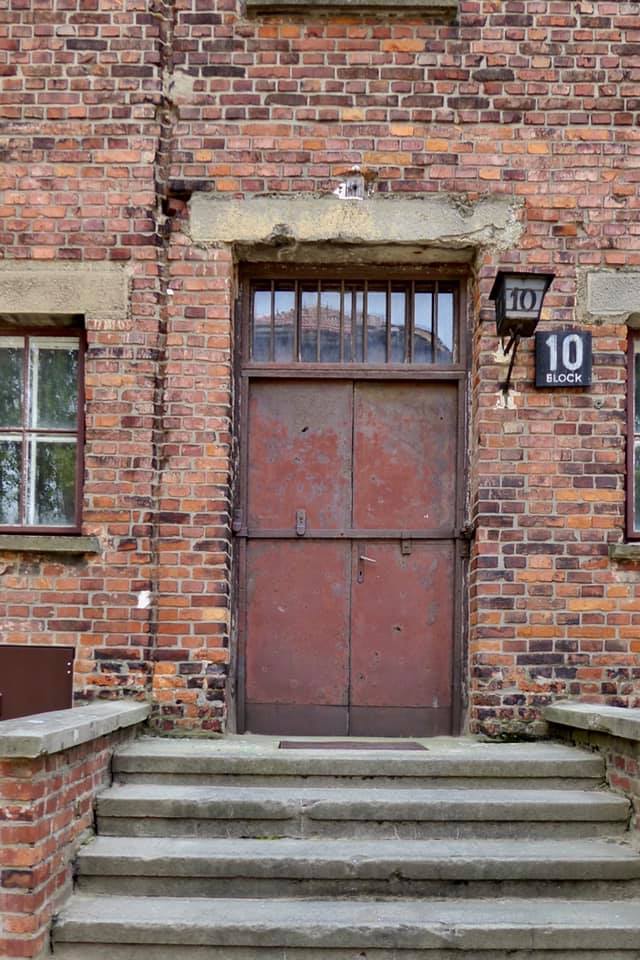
{"type": "Point", "coordinates": [357, 321]}
{"type": "Point", "coordinates": [39, 430]}
{"type": "Point", "coordinates": [53, 385]}
{"type": "Point", "coordinates": [636, 415]}
{"type": "Point", "coordinates": [284, 300]}
{"type": "Point", "coordinates": [53, 481]}
{"type": "Point", "coordinates": [10, 472]}
{"type": "Point", "coordinates": [423, 327]}
{"type": "Point", "coordinates": [347, 330]}
{"type": "Point", "coordinates": [358, 353]}
{"type": "Point", "coordinates": [444, 339]}
{"type": "Point", "coordinates": [377, 326]}
{"type": "Point", "coordinates": [11, 381]}
{"type": "Point", "coordinates": [309, 325]}
{"type": "Point", "coordinates": [398, 315]}
{"type": "Point", "coordinates": [330, 302]}
{"type": "Point", "coordinates": [261, 344]}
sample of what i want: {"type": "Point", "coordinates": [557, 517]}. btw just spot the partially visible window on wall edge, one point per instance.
{"type": "Point", "coordinates": [41, 428]}
{"type": "Point", "coordinates": [428, 10]}
{"type": "Point", "coordinates": [633, 438]}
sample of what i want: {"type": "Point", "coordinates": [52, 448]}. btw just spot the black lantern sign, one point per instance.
{"type": "Point", "coordinates": [519, 298]}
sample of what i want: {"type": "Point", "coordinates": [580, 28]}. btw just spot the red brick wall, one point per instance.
{"type": "Point", "coordinates": [46, 810]}
{"type": "Point", "coordinates": [534, 100]}
{"type": "Point", "coordinates": [622, 763]}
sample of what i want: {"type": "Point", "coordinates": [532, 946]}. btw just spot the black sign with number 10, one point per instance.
{"type": "Point", "coordinates": [563, 359]}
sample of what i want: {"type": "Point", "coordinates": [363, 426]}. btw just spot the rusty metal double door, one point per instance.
{"type": "Point", "coordinates": [349, 561]}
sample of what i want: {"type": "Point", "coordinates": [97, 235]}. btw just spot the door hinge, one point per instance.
{"type": "Point", "coordinates": [236, 523]}
{"type": "Point", "coordinates": [301, 523]}
{"type": "Point", "coordinates": [405, 545]}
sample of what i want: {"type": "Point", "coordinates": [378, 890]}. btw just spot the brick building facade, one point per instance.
{"type": "Point", "coordinates": [153, 152]}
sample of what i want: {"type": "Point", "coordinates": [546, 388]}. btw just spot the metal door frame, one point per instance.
{"type": "Point", "coordinates": [246, 370]}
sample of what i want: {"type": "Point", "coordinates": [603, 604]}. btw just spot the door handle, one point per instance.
{"type": "Point", "coordinates": [362, 559]}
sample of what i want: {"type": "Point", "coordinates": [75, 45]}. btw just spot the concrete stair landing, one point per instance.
{"type": "Point", "coordinates": [233, 850]}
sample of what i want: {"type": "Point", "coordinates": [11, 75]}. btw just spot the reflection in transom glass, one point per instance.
{"type": "Point", "coordinates": [353, 322]}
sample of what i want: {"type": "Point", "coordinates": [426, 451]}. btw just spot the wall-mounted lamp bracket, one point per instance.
{"type": "Point", "coordinates": [512, 347]}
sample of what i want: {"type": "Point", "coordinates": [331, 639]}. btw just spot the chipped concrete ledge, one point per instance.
{"type": "Point", "coordinates": [284, 222]}
{"type": "Point", "coordinates": [46, 733]}
{"type": "Point", "coordinates": [615, 721]}
{"type": "Point", "coordinates": [97, 290]}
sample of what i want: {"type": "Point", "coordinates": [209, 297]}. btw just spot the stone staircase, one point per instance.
{"type": "Point", "coordinates": [235, 850]}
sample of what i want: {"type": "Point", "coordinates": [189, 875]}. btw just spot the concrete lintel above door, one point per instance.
{"type": "Point", "coordinates": [306, 228]}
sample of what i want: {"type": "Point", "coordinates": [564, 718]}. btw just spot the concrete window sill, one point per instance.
{"type": "Point", "coordinates": [625, 552]}
{"type": "Point", "coordinates": [435, 7]}
{"type": "Point", "coordinates": [52, 543]}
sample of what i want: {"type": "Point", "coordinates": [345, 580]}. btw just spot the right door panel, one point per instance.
{"type": "Point", "coordinates": [402, 620]}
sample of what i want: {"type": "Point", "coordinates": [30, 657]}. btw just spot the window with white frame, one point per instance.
{"type": "Point", "coordinates": [40, 431]}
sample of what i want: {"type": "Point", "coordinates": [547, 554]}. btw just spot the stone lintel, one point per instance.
{"type": "Point", "coordinates": [404, 224]}
{"type": "Point", "coordinates": [616, 721]}
{"type": "Point", "coordinates": [97, 290]}
{"type": "Point", "coordinates": [45, 733]}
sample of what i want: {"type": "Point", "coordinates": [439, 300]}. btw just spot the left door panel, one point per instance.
{"type": "Point", "coordinates": [297, 597]}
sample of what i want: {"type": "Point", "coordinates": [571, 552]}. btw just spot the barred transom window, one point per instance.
{"type": "Point", "coordinates": [39, 431]}
{"type": "Point", "coordinates": [324, 321]}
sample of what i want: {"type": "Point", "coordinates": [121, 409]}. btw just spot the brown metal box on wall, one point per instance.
{"type": "Point", "coordinates": [34, 679]}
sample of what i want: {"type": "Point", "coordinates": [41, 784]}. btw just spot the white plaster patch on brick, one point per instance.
{"type": "Point", "coordinates": [144, 599]}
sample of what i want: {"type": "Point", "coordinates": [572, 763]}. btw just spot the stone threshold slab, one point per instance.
{"type": "Point", "coordinates": [445, 757]}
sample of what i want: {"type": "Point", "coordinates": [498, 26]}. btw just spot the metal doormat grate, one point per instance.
{"type": "Point", "coordinates": [350, 745]}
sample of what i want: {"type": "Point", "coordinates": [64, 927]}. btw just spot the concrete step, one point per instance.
{"type": "Point", "coordinates": [451, 762]}
{"type": "Point", "coordinates": [172, 810]}
{"type": "Point", "coordinates": [159, 928]}
{"type": "Point", "coordinates": [356, 868]}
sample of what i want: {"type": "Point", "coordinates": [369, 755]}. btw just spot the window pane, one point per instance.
{"type": "Point", "coordinates": [398, 312]}
{"type": "Point", "coordinates": [359, 330]}
{"type": "Point", "coordinates": [309, 325]}
{"type": "Point", "coordinates": [423, 324]}
{"type": "Point", "coordinates": [346, 322]}
{"type": "Point", "coordinates": [54, 385]}
{"type": "Point", "coordinates": [636, 488]}
{"type": "Point", "coordinates": [10, 470]}
{"type": "Point", "coordinates": [285, 318]}
{"type": "Point", "coordinates": [330, 326]}
{"type": "Point", "coordinates": [53, 482]}
{"type": "Point", "coordinates": [261, 341]}
{"type": "Point", "coordinates": [636, 411]}
{"type": "Point", "coordinates": [444, 338]}
{"type": "Point", "coordinates": [11, 382]}
{"type": "Point", "coordinates": [377, 326]}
